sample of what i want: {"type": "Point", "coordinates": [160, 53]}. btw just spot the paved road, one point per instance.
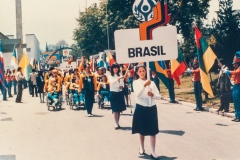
{"type": "Point", "coordinates": [29, 131]}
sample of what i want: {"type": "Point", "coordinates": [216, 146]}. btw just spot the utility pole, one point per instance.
{"type": "Point", "coordinates": [19, 32]}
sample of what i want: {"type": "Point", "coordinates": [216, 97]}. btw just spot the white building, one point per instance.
{"type": "Point", "coordinates": [33, 47]}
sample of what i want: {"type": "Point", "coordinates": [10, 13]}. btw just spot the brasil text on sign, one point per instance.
{"type": "Point", "coordinates": [130, 49]}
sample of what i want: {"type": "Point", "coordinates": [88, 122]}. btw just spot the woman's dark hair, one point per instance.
{"type": "Point", "coordinates": [19, 69]}
{"type": "Point", "coordinates": [40, 72]}
{"type": "Point", "coordinates": [136, 70]}
{"type": "Point", "coordinates": [115, 66]}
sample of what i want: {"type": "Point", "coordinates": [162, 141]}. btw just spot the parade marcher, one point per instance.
{"type": "Point", "coordinates": [156, 80]}
{"type": "Point", "coordinates": [125, 89]}
{"type": "Point", "coordinates": [131, 76]}
{"type": "Point", "coordinates": [197, 84]}
{"type": "Point", "coordinates": [76, 75]}
{"type": "Point", "coordinates": [53, 92]}
{"type": "Point", "coordinates": [224, 85]}
{"type": "Point", "coordinates": [74, 87]}
{"type": "Point", "coordinates": [40, 86]}
{"type": "Point", "coordinates": [145, 118]}
{"type": "Point", "coordinates": [14, 82]}
{"type": "Point", "coordinates": [116, 94]}
{"type": "Point", "coordinates": [235, 80]}
{"type": "Point", "coordinates": [103, 91]}
{"type": "Point", "coordinates": [20, 78]}
{"type": "Point", "coordinates": [9, 82]}
{"type": "Point", "coordinates": [88, 86]}
{"type": "Point", "coordinates": [171, 85]}
{"type": "Point", "coordinates": [33, 79]}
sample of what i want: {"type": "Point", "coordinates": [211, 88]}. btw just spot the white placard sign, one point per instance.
{"type": "Point", "coordinates": [130, 49]}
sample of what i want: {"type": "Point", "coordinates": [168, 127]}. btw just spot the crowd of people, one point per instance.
{"type": "Point", "coordinates": [113, 85]}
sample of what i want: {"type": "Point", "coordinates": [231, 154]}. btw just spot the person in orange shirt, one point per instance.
{"type": "Point", "coordinates": [53, 92]}
{"type": "Point", "coordinates": [197, 85]}
{"type": "Point", "coordinates": [235, 80]}
{"type": "Point", "coordinates": [9, 82]}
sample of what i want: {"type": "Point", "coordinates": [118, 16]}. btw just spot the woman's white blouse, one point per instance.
{"type": "Point", "coordinates": [114, 83]}
{"type": "Point", "coordinates": [141, 93]}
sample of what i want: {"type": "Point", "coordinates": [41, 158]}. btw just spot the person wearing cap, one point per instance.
{"type": "Point", "coordinates": [88, 86]}
{"type": "Point", "coordinates": [235, 80]}
{"type": "Point", "coordinates": [197, 84]}
{"type": "Point", "coordinates": [116, 81]}
{"type": "Point", "coordinates": [48, 74]}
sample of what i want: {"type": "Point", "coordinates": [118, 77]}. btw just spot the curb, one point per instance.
{"type": "Point", "coordinates": [206, 109]}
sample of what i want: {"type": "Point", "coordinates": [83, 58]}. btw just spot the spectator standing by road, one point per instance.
{"type": "Point", "coordinates": [224, 88]}
{"type": "Point", "coordinates": [14, 82]}
{"type": "Point", "coordinates": [4, 87]}
{"type": "Point", "coordinates": [145, 119]}
{"type": "Point", "coordinates": [9, 82]}
{"type": "Point", "coordinates": [197, 85]}
{"type": "Point", "coordinates": [117, 101]}
{"type": "Point", "coordinates": [33, 79]}
{"type": "Point", "coordinates": [20, 78]}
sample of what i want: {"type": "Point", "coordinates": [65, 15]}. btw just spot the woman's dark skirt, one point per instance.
{"type": "Point", "coordinates": [145, 120]}
{"type": "Point", "coordinates": [117, 101]}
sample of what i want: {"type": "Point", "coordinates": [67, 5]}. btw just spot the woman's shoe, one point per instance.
{"type": "Point", "coordinates": [154, 157]}
{"type": "Point", "coordinates": [143, 151]}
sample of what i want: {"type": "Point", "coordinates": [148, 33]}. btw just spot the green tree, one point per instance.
{"type": "Point", "coordinates": [226, 31]}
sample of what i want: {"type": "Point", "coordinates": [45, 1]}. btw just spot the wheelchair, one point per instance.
{"type": "Point", "coordinates": [55, 105]}
{"type": "Point", "coordinates": [101, 98]}
{"type": "Point", "coordinates": [73, 104]}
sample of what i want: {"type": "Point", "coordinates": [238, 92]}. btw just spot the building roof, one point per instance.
{"type": "Point", "coordinates": [2, 36]}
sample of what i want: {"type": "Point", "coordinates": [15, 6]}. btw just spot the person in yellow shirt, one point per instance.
{"type": "Point", "coordinates": [74, 87]}
{"type": "Point", "coordinates": [53, 92]}
{"type": "Point", "coordinates": [103, 91]}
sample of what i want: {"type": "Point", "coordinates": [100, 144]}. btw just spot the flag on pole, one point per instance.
{"type": "Point", "coordinates": [206, 59]}
{"type": "Point", "coordinates": [25, 65]}
{"type": "Point", "coordinates": [2, 79]}
{"type": "Point", "coordinates": [110, 59]}
{"type": "Point", "coordinates": [14, 61]}
{"type": "Point", "coordinates": [160, 69]}
{"type": "Point", "coordinates": [178, 67]}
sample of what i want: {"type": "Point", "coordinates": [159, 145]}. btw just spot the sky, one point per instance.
{"type": "Point", "coordinates": [55, 20]}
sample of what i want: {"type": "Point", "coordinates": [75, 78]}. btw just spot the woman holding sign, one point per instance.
{"type": "Point", "coordinates": [116, 94]}
{"type": "Point", "coordinates": [145, 120]}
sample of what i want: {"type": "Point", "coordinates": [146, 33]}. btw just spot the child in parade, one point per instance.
{"type": "Point", "coordinates": [103, 91]}
{"type": "Point", "coordinates": [145, 118]}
